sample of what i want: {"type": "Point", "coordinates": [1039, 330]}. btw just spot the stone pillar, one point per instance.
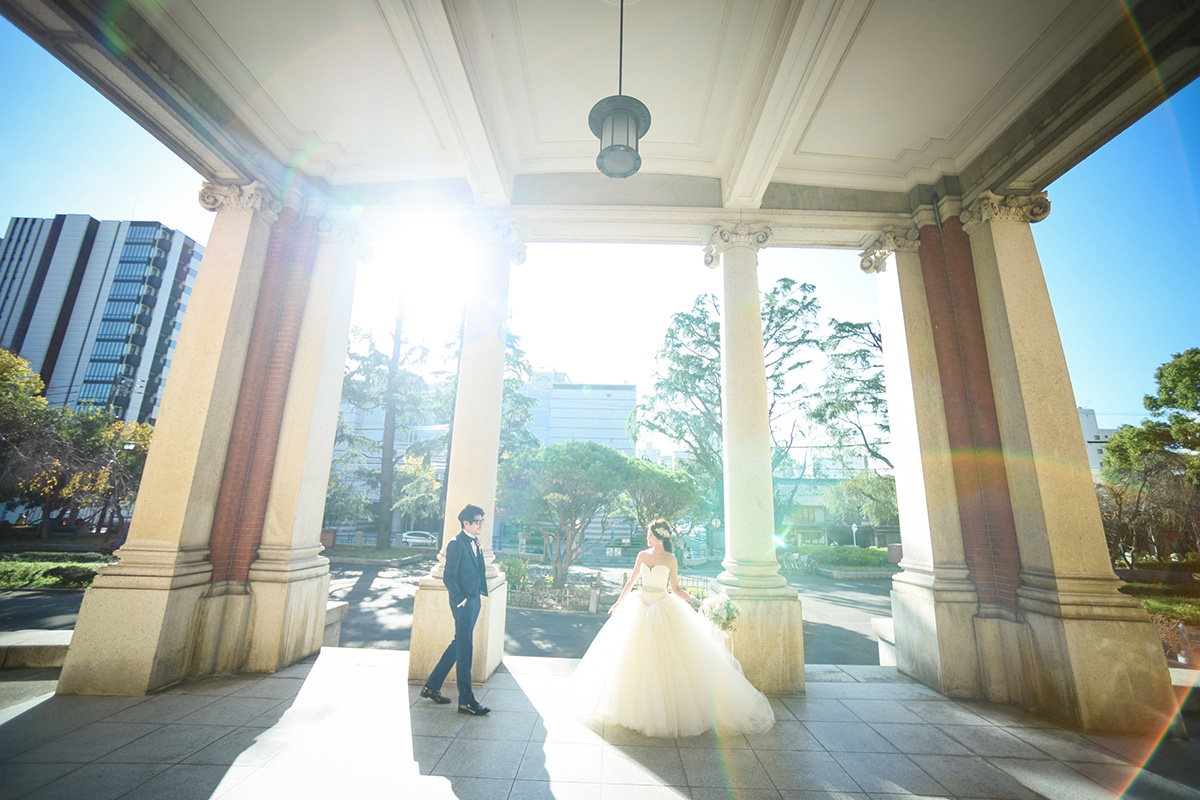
{"type": "Point", "coordinates": [474, 456]}
{"type": "Point", "coordinates": [769, 639]}
{"type": "Point", "coordinates": [289, 580]}
{"type": "Point", "coordinates": [136, 628]}
{"type": "Point", "coordinates": [1093, 660]}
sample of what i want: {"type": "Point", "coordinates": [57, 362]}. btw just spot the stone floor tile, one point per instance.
{"type": "Point", "coordinates": [307, 784]}
{"type": "Point", "coordinates": [780, 708]}
{"type": "Point", "coordinates": [880, 711]}
{"type": "Point", "coordinates": [300, 669]}
{"type": "Point", "coordinates": [943, 712]}
{"type": "Point", "coordinates": [272, 716]}
{"type": "Point", "coordinates": [465, 788]}
{"type": "Point", "coordinates": [972, 776]}
{"type": "Point", "coordinates": [1134, 749]}
{"type": "Point", "coordinates": [892, 773]}
{"type": "Point", "coordinates": [736, 769]}
{"type": "Point", "coordinates": [536, 665]}
{"type": "Point", "coordinates": [1065, 745]}
{"type": "Point", "coordinates": [506, 700]}
{"type": "Point", "coordinates": [163, 708]}
{"type": "Point", "coordinates": [1053, 779]}
{"type": "Point", "coordinates": [272, 688]}
{"type": "Point", "coordinates": [921, 738]}
{"type": "Point", "coordinates": [245, 747]}
{"type": "Point", "coordinates": [87, 744]}
{"type": "Point", "coordinates": [428, 750]}
{"type": "Point", "coordinates": [818, 710]}
{"type": "Point", "coordinates": [1005, 715]}
{"type": "Point", "coordinates": [21, 779]}
{"type": "Point", "coordinates": [1114, 777]}
{"type": "Point", "coordinates": [557, 761]}
{"type": "Point", "coordinates": [875, 674]}
{"type": "Point", "coordinates": [437, 721]}
{"type": "Point", "coordinates": [714, 740]}
{"type": "Point", "coordinates": [169, 744]}
{"type": "Point", "coordinates": [217, 687]}
{"type": "Point", "coordinates": [785, 735]}
{"type": "Point", "coordinates": [872, 691]}
{"type": "Point", "coordinates": [512, 726]}
{"type": "Point", "coordinates": [554, 790]}
{"type": "Point", "coordinates": [643, 766]}
{"type": "Point", "coordinates": [190, 782]}
{"type": "Point", "coordinates": [610, 791]}
{"type": "Point", "coordinates": [991, 741]}
{"type": "Point", "coordinates": [888, 796]}
{"type": "Point", "coordinates": [506, 680]}
{"type": "Point", "coordinates": [824, 673]}
{"type": "Point", "coordinates": [807, 771]}
{"type": "Point", "coordinates": [620, 735]}
{"type": "Point", "coordinates": [711, 793]}
{"type": "Point", "coordinates": [469, 759]}
{"type": "Point", "coordinates": [42, 721]}
{"type": "Point", "coordinates": [855, 737]}
{"type": "Point", "coordinates": [98, 781]}
{"type": "Point", "coordinates": [567, 728]}
{"type": "Point", "coordinates": [232, 711]}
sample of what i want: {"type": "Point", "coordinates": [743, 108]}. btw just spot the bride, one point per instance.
{"type": "Point", "coordinates": [658, 667]}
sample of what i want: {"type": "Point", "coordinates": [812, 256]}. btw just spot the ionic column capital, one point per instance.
{"type": "Point", "coordinates": [499, 235]}
{"type": "Point", "coordinates": [254, 195]}
{"type": "Point", "coordinates": [741, 235]}
{"type": "Point", "coordinates": [1011, 207]}
{"type": "Point", "coordinates": [336, 228]}
{"type": "Point", "coordinates": [874, 258]}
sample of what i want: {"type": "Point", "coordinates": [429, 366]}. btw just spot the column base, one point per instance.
{"type": "Point", "coordinates": [288, 615]}
{"type": "Point", "coordinates": [769, 642]}
{"type": "Point", "coordinates": [933, 620]}
{"type": "Point", "coordinates": [433, 629]}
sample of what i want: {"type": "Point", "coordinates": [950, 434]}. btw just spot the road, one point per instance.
{"type": "Point", "coordinates": [837, 614]}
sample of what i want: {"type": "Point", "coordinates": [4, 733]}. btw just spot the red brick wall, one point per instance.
{"type": "Point", "coordinates": [985, 511]}
{"type": "Point", "coordinates": [250, 459]}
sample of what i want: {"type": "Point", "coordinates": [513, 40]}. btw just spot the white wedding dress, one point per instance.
{"type": "Point", "coordinates": [660, 668]}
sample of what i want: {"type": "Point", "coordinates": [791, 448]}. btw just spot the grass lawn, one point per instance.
{"type": "Point", "coordinates": [1186, 609]}
{"type": "Point", "coordinates": [50, 570]}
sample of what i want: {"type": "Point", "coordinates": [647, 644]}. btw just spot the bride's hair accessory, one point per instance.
{"type": "Point", "coordinates": [664, 532]}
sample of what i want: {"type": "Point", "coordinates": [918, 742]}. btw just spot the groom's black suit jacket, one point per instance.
{"type": "Point", "coordinates": [465, 574]}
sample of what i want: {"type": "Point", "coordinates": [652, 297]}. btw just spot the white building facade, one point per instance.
{"type": "Point", "coordinates": [1094, 438]}
{"type": "Point", "coordinates": [581, 412]}
{"type": "Point", "coordinates": [96, 307]}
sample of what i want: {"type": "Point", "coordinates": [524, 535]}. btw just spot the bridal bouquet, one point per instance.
{"type": "Point", "coordinates": [721, 611]}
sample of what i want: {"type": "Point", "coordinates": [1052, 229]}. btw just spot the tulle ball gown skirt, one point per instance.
{"type": "Point", "coordinates": [661, 669]}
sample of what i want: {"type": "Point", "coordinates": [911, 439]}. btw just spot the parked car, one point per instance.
{"type": "Point", "coordinates": [418, 539]}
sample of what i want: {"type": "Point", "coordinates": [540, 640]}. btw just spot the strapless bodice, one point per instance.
{"type": "Point", "coordinates": [654, 583]}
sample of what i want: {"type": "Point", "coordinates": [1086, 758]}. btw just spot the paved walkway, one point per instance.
{"type": "Point", "coordinates": [346, 725]}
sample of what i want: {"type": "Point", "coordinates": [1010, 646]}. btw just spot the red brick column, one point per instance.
{"type": "Point", "coordinates": [985, 510]}
{"type": "Point", "coordinates": [250, 460]}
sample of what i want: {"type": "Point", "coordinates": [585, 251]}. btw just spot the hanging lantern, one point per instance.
{"type": "Point", "coordinates": [618, 122]}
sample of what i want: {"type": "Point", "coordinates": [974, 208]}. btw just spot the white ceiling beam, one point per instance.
{"type": "Point", "coordinates": [818, 37]}
{"type": "Point", "coordinates": [426, 42]}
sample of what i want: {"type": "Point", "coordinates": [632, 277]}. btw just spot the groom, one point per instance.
{"type": "Point", "coordinates": [465, 582]}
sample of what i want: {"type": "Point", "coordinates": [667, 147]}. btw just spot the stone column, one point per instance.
{"type": "Point", "coordinates": [289, 580]}
{"type": "Point", "coordinates": [474, 456]}
{"type": "Point", "coordinates": [136, 628]}
{"type": "Point", "coordinates": [769, 638]}
{"type": "Point", "coordinates": [933, 601]}
{"type": "Point", "coordinates": [1092, 657]}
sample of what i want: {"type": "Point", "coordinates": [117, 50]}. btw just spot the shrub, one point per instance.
{"type": "Point", "coordinates": [61, 558]}
{"type": "Point", "coordinates": [514, 570]}
{"type": "Point", "coordinates": [825, 556]}
{"type": "Point", "coordinates": [46, 574]}
{"type": "Point", "coordinates": [72, 576]}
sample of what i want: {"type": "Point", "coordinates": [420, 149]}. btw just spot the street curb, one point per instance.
{"type": "Point", "coordinates": [377, 562]}
{"type": "Point", "coordinates": [855, 576]}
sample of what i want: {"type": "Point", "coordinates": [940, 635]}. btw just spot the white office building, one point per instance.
{"type": "Point", "coordinates": [581, 412]}
{"type": "Point", "coordinates": [1094, 438]}
{"type": "Point", "coordinates": [96, 307]}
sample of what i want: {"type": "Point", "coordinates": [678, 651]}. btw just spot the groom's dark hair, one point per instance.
{"type": "Point", "coordinates": [469, 513]}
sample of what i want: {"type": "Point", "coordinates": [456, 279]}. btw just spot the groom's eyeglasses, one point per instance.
{"type": "Point", "coordinates": [477, 521]}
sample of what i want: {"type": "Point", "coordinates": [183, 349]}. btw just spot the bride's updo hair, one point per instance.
{"type": "Point", "coordinates": [663, 531]}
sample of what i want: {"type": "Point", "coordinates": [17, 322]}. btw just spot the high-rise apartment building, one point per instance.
{"type": "Point", "coordinates": [1094, 438]}
{"type": "Point", "coordinates": [96, 307]}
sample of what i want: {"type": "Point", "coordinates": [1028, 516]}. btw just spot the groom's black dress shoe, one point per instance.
{"type": "Point", "coordinates": [473, 708]}
{"type": "Point", "coordinates": [434, 695]}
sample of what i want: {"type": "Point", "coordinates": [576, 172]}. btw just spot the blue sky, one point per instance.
{"type": "Point", "coordinates": [1119, 249]}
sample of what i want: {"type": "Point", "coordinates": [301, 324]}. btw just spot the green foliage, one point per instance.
{"type": "Point", "coordinates": [1177, 608]}
{"type": "Point", "coordinates": [514, 569]}
{"type": "Point", "coordinates": [62, 558]}
{"type": "Point", "coordinates": [417, 491]}
{"type": "Point", "coordinates": [48, 574]}
{"type": "Point", "coordinates": [655, 491]}
{"type": "Point", "coordinates": [873, 557]}
{"type": "Point", "coordinates": [1150, 495]}
{"type": "Point", "coordinates": [560, 491]}
{"type": "Point", "coordinates": [867, 497]}
{"type": "Point", "coordinates": [1162, 590]}
{"type": "Point", "coordinates": [685, 401]}
{"type": "Point", "coordinates": [851, 406]}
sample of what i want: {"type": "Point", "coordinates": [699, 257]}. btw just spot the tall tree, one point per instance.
{"type": "Point", "coordinates": [851, 407]}
{"type": "Point", "coordinates": [387, 383]}
{"type": "Point", "coordinates": [564, 491]}
{"type": "Point", "coordinates": [418, 492]}
{"type": "Point", "coordinates": [684, 403]}
{"type": "Point", "coordinates": [23, 413]}
{"type": "Point", "coordinates": [655, 491]}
